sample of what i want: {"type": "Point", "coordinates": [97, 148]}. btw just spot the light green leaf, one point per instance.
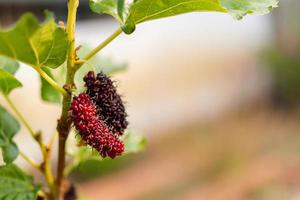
{"type": "Point", "coordinates": [133, 142]}
{"type": "Point", "coordinates": [34, 44]}
{"type": "Point", "coordinates": [8, 82]}
{"type": "Point", "coordinates": [145, 10]}
{"type": "Point", "coordinates": [15, 184]}
{"type": "Point", "coordinates": [240, 8]}
{"type": "Point", "coordinates": [115, 8]}
{"type": "Point", "coordinates": [8, 65]}
{"type": "Point", "coordinates": [9, 126]}
{"type": "Point", "coordinates": [48, 93]}
{"type": "Point", "coordinates": [131, 13]}
{"type": "Point", "coordinates": [119, 9]}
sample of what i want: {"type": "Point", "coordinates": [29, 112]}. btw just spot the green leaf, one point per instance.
{"type": "Point", "coordinates": [239, 8]}
{"type": "Point", "coordinates": [8, 65]}
{"type": "Point", "coordinates": [8, 82]}
{"type": "Point", "coordinates": [134, 12]}
{"type": "Point", "coordinates": [9, 126]}
{"type": "Point", "coordinates": [15, 184]}
{"type": "Point", "coordinates": [10, 152]}
{"type": "Point", "coordinates": [34, 44]}
{"type": "Point", "coordinates": [145, 10]}
{"type": "Point", "coordinates": [119, 9]}
{"type": "Point", "coordinates": [79, 154]}
{"type": "Point", "coordinates": [115, 8]}
{"type": "Point", "coordinates": [48, 93]}
{"type": "Point", "coordinates": [134, 143]}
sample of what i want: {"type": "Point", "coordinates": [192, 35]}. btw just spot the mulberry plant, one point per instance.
{"type": "Point", "coordinates": [95, 114]}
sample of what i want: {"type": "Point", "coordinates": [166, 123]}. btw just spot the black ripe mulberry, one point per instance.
{"type": "Point", "coordinates": [110, 106]}
{"type": "Point", "coordinates": [92, 129]}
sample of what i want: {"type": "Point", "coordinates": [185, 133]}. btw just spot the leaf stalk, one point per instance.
{"type": "Point", "coordinates": [20, 116]}
{"type": "Point", "coordinates": [103, 44]}
{"type": "Point", "coordinates": [50, 81]}
{"type": "Point", "coordinates": [30, 161]}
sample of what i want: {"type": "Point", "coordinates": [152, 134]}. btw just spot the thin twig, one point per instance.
{"type": "Point", "coordinates": [30, 161]}
{"type": "Point", "coordinates": [52, 139]}
{"type": "Point", "coordinates": [20, 116]}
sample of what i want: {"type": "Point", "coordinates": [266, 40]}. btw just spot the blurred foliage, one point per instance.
{"type": "Point", "coordinates": [49, 93]}
{"type": "Point", "coordinates": [282, 57]}
{"type": "Point", "coordinates": [9, 127]}
{"type": "Point", "coordinates": [285, 74]}
{"type": "Point", "coordinates": [98, 64]}
{"type": "Point", "coordinates": [9, 65]}
{"type": "Point", "coordinates": [270, 191]}
{"type": "Point", "coordinates": [15, 184]}
{"type": "Point", "coordinates": [8, 82]}
{"type": "Point", "coordinates": [86, 162]}
{"type": "Point", "coordinates": [90, 169]}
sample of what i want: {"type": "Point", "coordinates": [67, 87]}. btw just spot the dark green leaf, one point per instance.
{"type": "Point", "coordinates": [138, 11]}
{"type": "Point", "coordinates": [15, 184]}
{"type": "Point", "coordinates": [10, 152]}
{"type": "Point", "coordinates": [48, 93]}
{"type": "Point", "coordinates": [8, 82]}
{"type": "Point", "coordinates": [8, 65]}
{"type": "Point", "coordinates": [9, 126]}
{"type": "Point", "coordinates": [34, 44]}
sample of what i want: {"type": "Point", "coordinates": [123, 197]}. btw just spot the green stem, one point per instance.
{"type": "Point", "coordinates": [52, 139]}
{"type": "Point", "coordinates": [103, 44]}
{"type": "Point", "coordinates": [51, 81]}
{"type": "Point", "coordinates": [47, 170]}
{"type": "Point", "coordinates": [20, 116]}
{"type": "Point", "coordinates": [64, 124]}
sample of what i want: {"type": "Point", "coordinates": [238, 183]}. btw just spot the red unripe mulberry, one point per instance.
{"type": "Point", "coordinates": [92, 129]}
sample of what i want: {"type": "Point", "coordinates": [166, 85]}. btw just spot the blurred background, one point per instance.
{"type": "Point", "coordinates": [217, 99]}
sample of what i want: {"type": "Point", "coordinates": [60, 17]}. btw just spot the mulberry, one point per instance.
{"type": "Point", "coordinates": [71, 193]}
{"type": "Point", "coordinates": [110, 106]}
{"type": "Point", "coordinates": [92, 129]}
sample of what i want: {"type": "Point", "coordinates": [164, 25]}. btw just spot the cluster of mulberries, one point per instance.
{"type": "Point", "coordinates": [99, 115]}
{"type": "Point", "coordinates": [109, 103]}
